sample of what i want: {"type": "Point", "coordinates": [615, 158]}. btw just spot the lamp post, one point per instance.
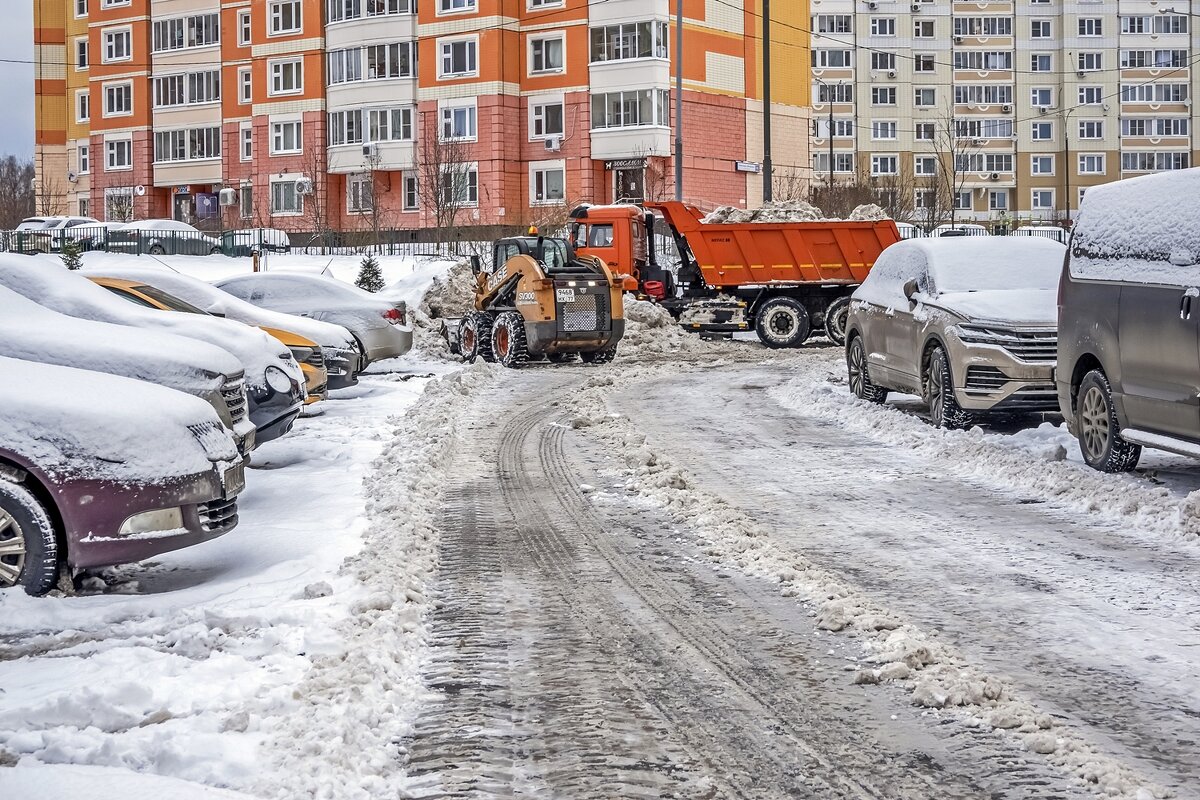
{"type": "Point", "coordinates": [768, 168]}
{"type": "Point", "coordinates": [1066, 115]}
{"type": "Point", "coordinates": [679, 101]}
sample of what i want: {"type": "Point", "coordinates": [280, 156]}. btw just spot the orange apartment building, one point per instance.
{"type": "Point", "coordinates": [340, 114]}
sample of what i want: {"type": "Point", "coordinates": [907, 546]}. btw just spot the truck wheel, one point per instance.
{"type": "Point", "coordinates": [508, 340]}
{"type": "Point", "coordinates": [1099, 432]}
{"type": "Point", "coordinates": [28, 546]}
{"type": "Point", "coordinates": [860, 380]}
{"type": "Point", "coordinates": [477, 337]}
{"type": "Point", "coordinates": [835, 320]}
{"type": "Point", "coordinates": [943, 407]}
{"type": "Point", "coordinates": [783, 322]}
{"type": "Point", "coordinates": [604, 356]}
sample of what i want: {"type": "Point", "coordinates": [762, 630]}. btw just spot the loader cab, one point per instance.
{"type": "Point", "coordinates": [554, 254]}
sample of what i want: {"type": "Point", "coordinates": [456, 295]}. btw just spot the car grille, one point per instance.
{"type": "Point", "coordinates": [1022, 345]}
{"type": "Point", "coordinates": [234, 393]}
{"type": "Point", "coordinates": [317, 359]}
{"type": "Point", "coordinates": [984, 379]}
{"type": "Point", "coordinates": [586, 312]}
{"type": "Point", "coordinates": [218, 516]}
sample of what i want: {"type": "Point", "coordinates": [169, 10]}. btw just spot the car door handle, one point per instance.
{"type": "Point", "coordinates": [1185, 307]}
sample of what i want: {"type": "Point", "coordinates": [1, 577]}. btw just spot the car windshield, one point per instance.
{"type": "Point", "coordinates": [169, 300]}
{"type": "Point", "coordinates": [37, 224]}
{"type": "Point", "coordinates": [975, 264]}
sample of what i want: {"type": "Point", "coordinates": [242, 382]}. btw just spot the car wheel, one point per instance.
{"type": "Point", "coordinates": [1099, 432]}
{"type": "Point", "coordinates": [835, 320]}
{"type": "Point", "coordinates": [28, 546]}
{"type": "Point", "coordinates": [783, 322]}
{"type": "Point", "coordinates": [943, 407]}
{"type": "Point", "coordinates": [214, 251]}
{"type": "Point", "coordinates": [508, 340]}
{"type": "Point", "coordinates": [860, 380]}
{"type": "Point", "coordinates": [157, 250]}
{"type": "Point", "coordinates": [477, 337]}
{"type": "Point", "coordinates": [604, 356]}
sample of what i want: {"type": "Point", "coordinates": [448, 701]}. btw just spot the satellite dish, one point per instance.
{"type": "Point", "coordinates": [139, 190]}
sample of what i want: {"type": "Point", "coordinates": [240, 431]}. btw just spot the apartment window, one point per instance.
{"type": "Point", "coordinates": [193, 144]}
{"type": "Point", "coordinates": [1042, 199]}
{"type": "Point", "coordinates": [1041, 165]}
{"type": "Point", "coordinates": [984, 128]}
{"type": "Point", "coordinates": [344, 66]}
{"type": "Point", "coordinates": [1133, 126]}
{"type": "Point", "coordinates": [883, 95]}
{"type": "Point", "coordinates": [200, 30]}
{"type": "Point", "coordinates": [84, 155]}
{"type": "Point", "coordinates": [246, 136]}
{"type": "Point", "coordinates": [118, 100]}
{"type": "Point", "coordinates": [287, 77]}
{"type": "Point", "coordinates": [923, 199]}
{"type": "Point", "coordinates": [982, 93]}
{"type": "Point", "coordinates": [923, 62]}
{"type": "Point", "coordinates": [547, 54]}
{"type": "Point", "coordinates": [832, 23]}
{"type": "Point", "coordinates": [1091, 95]}
{"type": "Point", "coordinates": [285, 17]}
{"type": "Point", "coordinates": [925, 97]}
{"type": "Point", "coordinates": [837, 93]}
{"type": "Point", "coordinates": [339, 10]}
{"type": "Point", "coordinates": [117, 45]}
{"type": "Point", "coordinates": [1171, 126]}
{"type": "Point", "coordinates": [884, 165]}
{"type": "Point", "coordinates": [842, 128]}
{"type": "Point", "coordinates": [390, 124]}
{"type": "Point", "coordinates": [388, 61]}
{"type": "Point", "coordinates": [1091, 163]}
{"type": "Point", "coordinates": [982, 60]}
{"type": "Point", "coordinates": [883, 26]}
{"type": "Point", "coordinates": [1042, 132]}
{"type": "Point", "coordinates": [455, 6]}
{"type": "Point", "coordinates": [458, 58]}
{"type": "Point", "coordinates": [1154, 162]}
{"type": "Point", "coordinates": [1170, 58]}
{"type": "Point", "coordinates": [84, 207]}
{"type": "Point", "coordinates": [998, 200]}
{"type": "Point", "coordinates": [345, 127]}
{"type": "Point", "coordinates": [118, 203]}
{"type": "Point", "coordinates": [1170, 23]}
{"type": "Point", "coordinates": [1091, 129]}
{"type": "Point", "coordinates": [1136, 59]}
{"type": "Point", "coordinates": [547, 183]}
{"type": "Point", "coordinates": [1039, 29]}
{"type": "Point", "coordinates": [118, 155]}
{"type": "Point", "coordinates": [245, 85]}
{"type": "Point", "coordinates": [923, 29]}
{"type": "Point", "coordinates": [1091, 62]}
{"type": "Point", "coordinates": [285, 200]}
{"type": "Point", "coordinates": [81, 53]}
{"type": "Point", "coordinates": [81, 9]}
{"type": "Point", "coordinates": [360, 194]}
{"type": "Point", "coordinates": [925, 131]}
{"type": "Point", "coordinates": [546, 119]}
{"type": "Point", "coordinates": [641, 108]}
{"type": "Point", "coordinates": [924, 165]}
{"type": "Point", "coordinates": [842, 162]}
{"type": "Point", "coordinates": [1040, 62]}
{"type": "Point", "coordinates": [246, 202]}
{"type": "Point", "coordinates": [1041, 96]}
{"type": "Point", "coordinates": [285, 138]}
{"type": "Point", "coordinates": [983, 26]}
{"type": "Point", "coordinates": [1091, 26]}
{"type": "Point", "coordinates": [411, 194]}
{"type": "Point", "coordinates": [1154, 93]}
{"type": "Point", "coordinates": [883, 130]}
{"type": "Point", "coordinates": [458, 122]}
{"type": "Point", "coordinates": [962, 200]}
{"type": "Point", "coordinates": [883, 60]}
{"type": "Point", "coordinates": [113, 3]}
{"type": "Point", "coordinates": [629, 40]}
{"type": "Point", "coordinates": [460, 185]}
{"type": "Point", "coordinates": [243, 28]}
{"type": "Point", "coordinates": [193, 88]}
{"type": "Point", "coordinates": [825, 59]}
{"type": "Point", "coordinates": [83, 105]}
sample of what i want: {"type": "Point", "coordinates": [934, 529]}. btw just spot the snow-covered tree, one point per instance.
{"type": "Point", "coordinates": [72, 254]}
{"type": "Point", "coordinates": [370, 276]}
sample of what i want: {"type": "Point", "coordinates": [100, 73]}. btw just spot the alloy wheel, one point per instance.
{"type": "Point", "coordinates": [12, 549]}
{"type": "Point", "coordinates": [857, 368]}
{"type": "Point", "coordinates": [1094, 425]}
{"type": "Point", "coordinates": [937, 388]}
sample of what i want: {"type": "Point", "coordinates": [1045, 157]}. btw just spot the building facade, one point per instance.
{"type": "Point", "coordinates": [344, 114]}
{"type": "Point", "coordinates": [1025, 103]}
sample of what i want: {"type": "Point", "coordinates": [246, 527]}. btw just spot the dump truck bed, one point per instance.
{"type": "Point", "coordinates": [741, 254]}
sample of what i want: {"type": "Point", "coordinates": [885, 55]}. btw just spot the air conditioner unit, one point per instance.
{"type": "Point", "coordinates": [958, 40]}
{"type": "Point", "coordinates": [553, 144]}
{"type": "Point", "coordinates": [304, 186]}
{"type": "Point", "coordinates": [872, 5]}
{"type": "Point", "coordinates": [228, 197]}
{"type": "Point", "coordinates": [72, 177]}
{"type": "Point", "coordinates": [1081, 73]}
{"type": "Point", "coordinates": [916, 6]}
{"type": "Point", "coordinates": [977, 142]}
{"type": "Point", "coordinates": [370, 150]}
{"type": "Point", "coordinates": [995, 176]}
{"type": "Point", "coordinates": [1043, 109]}
{"type": "Point", "coordinates": [1006, 108]}
{"type": "Point", "coordinates": [891, 73]}
{"type": "Point", "coordinates": [139, 190]}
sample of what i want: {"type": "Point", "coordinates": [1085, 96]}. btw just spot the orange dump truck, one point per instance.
{"type": "Point", "coordinates": [784, 279]}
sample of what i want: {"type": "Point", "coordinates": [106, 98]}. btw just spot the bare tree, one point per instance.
{"type": "Point", "coordinates": [789, 183]}
{"type": "Point", "coordinates": [51, 198]}
{"type": "Point", "coordinates": [446, 178]}
{"type": "Point", "coordinates": [955, 147]}
{"type": "Point", "coordinates": [896, 194]}
{"type": "Point", "coordinates": [318, 203]}
{"type": "Point", "coordinates": [17, 198]}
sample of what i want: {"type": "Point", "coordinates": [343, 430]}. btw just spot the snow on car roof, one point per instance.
{"type": "Point", "coordinates": [977, 263]}
{"type": "Point", "coordinates": [78, 423]}
{"type": "Point", "coordinates": [300, 286]}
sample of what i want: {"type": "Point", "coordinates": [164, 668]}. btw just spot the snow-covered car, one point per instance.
{"type": "Point", "coordinates": [379, 326]}
{"type": "Point", "coordinates": [274, 382]}
{"type": "Point", "coordinates": [1052, 232]}
{"type": "Point", "coordinates": [969, 324]}
{"type": "Point", "coordinates": [162, 237]}
{"type": "Point", "coordinates": [337, 347]}
{"type": "Point", "coordinates": [32, 332]}
{"type": "Point", "coordinates": [962, 229]}
{"type": "Point", "coordinates": [97, 470]}
{"type": "Point", "coordinates": [45, 234]}
{"type": "Point", "coordinates": [247, 241]}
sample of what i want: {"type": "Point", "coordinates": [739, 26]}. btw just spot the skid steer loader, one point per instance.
{"type": "Point", "coordinates": [539, 301]}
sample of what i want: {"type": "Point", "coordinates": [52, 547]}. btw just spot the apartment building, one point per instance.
{"type": "Point", "coordinates": [1034, 101]}
{"type": "Point", "coordinates": [342, 114]}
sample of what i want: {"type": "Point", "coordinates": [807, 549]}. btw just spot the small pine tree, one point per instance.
{"type": "Point", "coordinates": [370, 276]}
{"type": "Point", "coordinates": [72, 254]}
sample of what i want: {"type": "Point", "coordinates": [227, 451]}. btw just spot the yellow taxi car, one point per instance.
{"type": "Point", "coordinates": [306, 351]}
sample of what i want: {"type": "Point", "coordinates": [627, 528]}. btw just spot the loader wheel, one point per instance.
{"type": "Point", "coordinates": [477, 337]}
{"type": "Point", "coordinates": [508, 340]}
{"type": "Point", "coordinates": [835, 320]}
{"type": "Point", "coordinates": [783, 322]}
{"type": "Point", "coordinates": [604, 356]}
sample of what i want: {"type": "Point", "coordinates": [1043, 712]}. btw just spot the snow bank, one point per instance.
{"type": "Point", "coordinates": [868, 212]}
{"type": "Point", "coordinates": [789, 211]}
{"type": "Point", "coordinates": [447, 294]}
{"type": "Point", "coordinates": [651, 331]}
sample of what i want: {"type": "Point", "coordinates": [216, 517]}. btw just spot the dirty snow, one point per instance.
{"type": "Point", "coordinates": [650, 331]}
{"type": "Point", "coordinates": [788, 211]}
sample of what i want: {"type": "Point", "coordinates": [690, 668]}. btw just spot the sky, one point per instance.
{"type": "Point", "coordinates": [16, 80]}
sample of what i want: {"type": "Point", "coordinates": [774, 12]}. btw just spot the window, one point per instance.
{"type": "Point", "coordinates": [344, 66]}
{"type": "Point", "coordinates": [1091, 95]}
{"type": "Point", "coordinates": [287, 77]}
{"type": "Point", "coordinates": [831, 58]}
{"type": "Point", "coordinates": [1091, 163]}
{"type": "Point", "coordinates": [982, 60]}
{"type": "Point", "coordinates": [1039, 29]}
{"type": "Point", "coordinates": [117, 45]}
{"type": "Point", "coordinates": [1133, 126]}
{"type": "Point", "coordinates": [883, 26]}
{"type": "Point", "coordinates": [245, 85]}
{"type": "Point", "coordinates": [390, 124]}
{"type": "Point", "coordinates": [923, 62]}
{"type": "Point", "coordinates": [246, 202]}
{"type": "Point", "coordinates": [1043, 199]}
{"type": "Point", "coordinates": [200, 30]}
{"type": "Point", "coordinates": [883, 61]}
{"type": "Point", "coordinates": [460, 185]}
{"type": "Point", "coordinates": [1041, 165]}
{"type": "Point", "coordinates": [412, 197]}
{"type": "Point", "coordinates": [285, 138]}
{"type": "Point", "coordinates": [193, 144]}
{"type": "Point", "coordinates": [628, 41]}
{"type": "Point", "coordinates": [842, 128]}
{"type": "Point", "coordinates": [458, 58]}
{"type": "Point", "coordinates": [118, 154]}
{"type": "Point", "coordinates": [1042, 132]}
{"type": "Point", "coordinates": [1171, 126]}
{"type": "Point", "coordinates": [983, 26]}
{"type": "Point", "coordinates": [192, 88]}
{"type": "Point", "coordinates": [1040, 62]}
{"type": "Point", "coordinates": [84, 154]}
{"type": "Point", "coordinates": [1135, 25]}
{"type": "Point", "coordinates": [925, 97]}
{"type": "Point", "coordinates": [360, 194]}
{"type": "Point", "coordinates": [455, 6]}
{"type": "Point", "coordinates": [1170, 23]}
{"type": "Point", "coordinates": [285, 200]}
{"type": "Point", "coordinates": [243, 28]}
{"type": "Point", "coordinates": [1091, 62]}
{"type": "Point", "coordinates": [838, 92]}
{"type": "Point", "coordinates": [925, 131]}
{"type": "Point", "coordinates": [641, 108]}
{"type": "Point", "coordinates": [884, 165]}
{"type": "Point", "coordinates": [883, 95]}
{"type": "Point", "coordinates": [546, 54]}
{"type": "Point", "coordinates": [246, 135]}
{"type": "Point", "coordinates": [1041, 97]}
{"type": "Point", "coordinates": [386, 61]}
{"type": "Point", "coordinates": [982, 93]}
{"type": "Point", "coordinates": [924, 165]}
{"type": "Point", "coordinates": [338, 10]}
{"type": "Point", "coordinates": [962, 200]}
{"type": "Point", "coordinates": [118, 203]}
{"type": "Point", "coordinates": [83, 105]}
{"type": "Point", "coordinates": [1134, 59]}
{"type": "Point", "coordinates": [81, 53]}
{"type": "Point", "coordinates": [832, 23]}
{"type": "Point", "coordinates": [1153, 162]}
{"type": "Point", "coordinates": [842, 162]}
{"type": "Point", "coordinates": [883, 130]}
{"type": "Point", "coordinates": [81, 9]}
{"type": "Point", "coordinates": [1154, 93]}
{"type": "Point", "coordinates": [1091, 129]}
{"type": "Point", "coordinates": [1170, 58]}
{"type": "Point", "coordinates": [1091, 26]}
{"type": "Point", "coordinates": [998, 200]}
{"type": "Point", "coordinates": [458, 122]}
{"type": "Point", "coordinates": [113, 3]}
{"type": "Point", "coordinates": [923, 199]}
{"type": "Point", "coordinates": [284, 17]}
{"type": "Point", "coordinates": [983, 128]}
{"type": "Point", "coordinates": [345, 127]}
{"type": "Point", "coordinates": [546, 119]}
{"type": "Point", "coordinates": [85, 207]}
{"type": "Point", "coordinates": [923, 29]}
{"type": "Point", "coordinates": [547, 183]}
{"type": "Point", "coordinates": [118, 99]}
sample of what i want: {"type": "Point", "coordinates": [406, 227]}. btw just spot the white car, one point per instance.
{"type": "Point", "coordinates": [45, 234]}
{"type": "Point", "coordinates": [962, 229]}
{"type": "Point", "coordinates": [162, 237]}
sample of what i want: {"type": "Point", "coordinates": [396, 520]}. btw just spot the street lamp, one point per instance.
{"type": "Point", "coordinates": [829, 133]}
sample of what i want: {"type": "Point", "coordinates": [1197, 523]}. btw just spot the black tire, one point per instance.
{"type": "Point", "coordinates": [783, 322]}
{"type": "Point", "coordinates": [604, 356]}
{"type": "Point", "coordinates": [860, 380]}
{"type": "Point", "coordinates": [836, 317]}
{"type": "Point", "coordinates": [508, 340]}
{"type": "Point", "coordinates": [1097, 428]}
{"type": "Point", "coordinates": [560, 358]}
{"type": "Point", "coordinates": [944, 409]}
{"type": "Point", "coordinates": [214, 251]}
{"type": "Point", "coordinates": [157, 250]}
{"type": "Point", "coordinates": [28, 545]}
{"type": "Point", "coordinates": [477, 337]}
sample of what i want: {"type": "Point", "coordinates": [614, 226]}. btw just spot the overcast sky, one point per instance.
{"type": "Point", "coordinates": [16, 80]}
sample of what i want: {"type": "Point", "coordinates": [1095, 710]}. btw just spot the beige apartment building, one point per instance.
{"type": "Point", "coordinates": [1032, 100]}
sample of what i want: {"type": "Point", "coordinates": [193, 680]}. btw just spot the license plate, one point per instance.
{"type": "Point", "coordinates": [234, 480]}
{"type": "Point", "coordinates": [565, 295]}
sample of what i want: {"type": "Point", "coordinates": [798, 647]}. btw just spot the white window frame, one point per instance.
{"type": "Point", "coordinates": [83, 159]}
{"type": "Point", "coordinates": [275, 15]}
{"type": "Point", "coordinates": [445, 48]}
{"type": "Point", "coordinates": [106, 4]}
{"type": "Point", "coordinates": [531, 47]}
{"type": "Point", "coordinates": [245, 86]}
{"type": "Point", "coordinates": [83, 105]}
{"type": "Point", "coordinates": [405, 180]}
{"type": "Point", "coordinates": [82, 49]}
{"type": "Point", "coordinates": [278, 137]}
{"type": "Point", "coordinates": [298, 209]}
{"type": "Point", "coordinates": [993, 194]}
{"type": "Point", "coordinates": [246, 201]}
{"type": "Point", "coordinates": [1097, 158]}
{"type": "Point", "coordinates": [355, 203]}
{"type": "Point", "coordinates": [544, 168]}
{"type": "Point", "coordinates": [468, 167]}
{"type": "Point", "coordinates": [1036, 125]}
{"type": "Point", "coordinates": [537, 115]}
{"type": "Point", "coordinates": [276, 73]}
{"type": "Point", "coordinates": [245, 28]}
{"type": "Point", "coordinates": [884, 130]}
{"type": "Point", "coordinates": [879, 26]}
{"type": "Point", "coordinates": [448, 7]}
{"type": "Point", "coordinates": [1033, 160]}
{"type": "Point", "coordinates": [81, 5]}
{"type": "Point", "coordinates": [1033, 196]}
{"type": "Point", "coordinates": [108, 87]}
{"type": "Point", "coordinates": [446, 113]}
{"type": "Point", "coordinates": [877, 160]}
{"type": "Point", "coordinates": [246, 141]}
{"type": "Point", "coordinates": [112, 148]}
{"type": "Point", "coordinates": [108, 38]}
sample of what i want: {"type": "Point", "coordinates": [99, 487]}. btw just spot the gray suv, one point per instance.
{"type": "Point", "coordinates": [1129, 321]}
{"type": "Point", "coordinates": [967, 323]}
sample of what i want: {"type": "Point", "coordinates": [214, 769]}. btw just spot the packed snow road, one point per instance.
{"type": "Point", "coordinates": [801, 612]}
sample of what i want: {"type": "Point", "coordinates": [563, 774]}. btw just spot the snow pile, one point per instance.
{"type": "Point", "coordinates": [651, 330]}
{"type": "Point", "coordinates": [450, 295]}
{"type": "Point", "coordinates": [783, 211]}
{"type": "Point", "coordinates": [868, 212]}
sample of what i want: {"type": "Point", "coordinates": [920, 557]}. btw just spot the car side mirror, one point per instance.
{"type": "Point", "coordinates": [217, 310]}
{"type": "Point", "coordinates": [910, 289]}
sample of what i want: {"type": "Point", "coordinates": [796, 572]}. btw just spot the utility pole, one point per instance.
{"type": "Point", "coordinates": [768, 171]}
{"type": "Point", "coordinates": [679, 100]}
{"type": "Point", "coordinates": [828, 134]}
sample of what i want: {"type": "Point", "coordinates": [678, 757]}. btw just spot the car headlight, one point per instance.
{"type": "Point", "coordinates": [278, 380]}
{"type": "Point", "coordinates": [301, 354]}
{"type": "Point", "coordinates": [156, 521]}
